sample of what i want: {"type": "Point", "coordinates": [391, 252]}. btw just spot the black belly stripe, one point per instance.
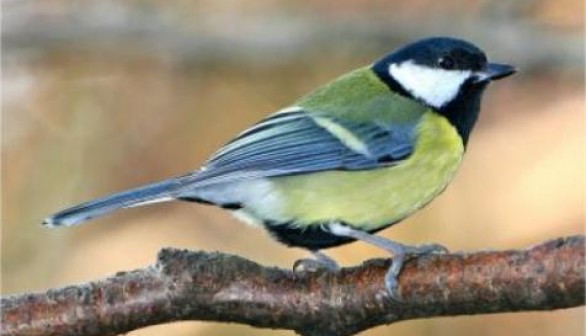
{"type": "Point", "coordinates": [312, 237]}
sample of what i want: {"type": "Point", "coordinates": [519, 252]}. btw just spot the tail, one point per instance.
{"type": "Point", "coordinates": [151, 193]}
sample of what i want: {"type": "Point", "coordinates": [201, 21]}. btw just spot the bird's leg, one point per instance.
{"type": "Point", "coordinates": [319, 261]}
{"type": "Point", "coordinates": [399, 251]}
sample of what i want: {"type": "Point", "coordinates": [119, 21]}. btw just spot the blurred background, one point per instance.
{"type": "Point", "coordinates": [99, 96]}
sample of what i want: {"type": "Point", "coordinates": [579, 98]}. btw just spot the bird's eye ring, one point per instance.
{"type": "Point", "coordinates": [446, 63]}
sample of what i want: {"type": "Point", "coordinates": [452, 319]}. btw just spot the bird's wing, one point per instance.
{"type": "Point", "coordinates": [294, 142]}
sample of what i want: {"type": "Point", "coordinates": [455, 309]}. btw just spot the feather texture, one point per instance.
{"type": "Point", "coordinates": [301, 142]}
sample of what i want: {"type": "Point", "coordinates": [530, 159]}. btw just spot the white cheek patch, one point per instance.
{"type": "Point", "coordinates": [435, 87]}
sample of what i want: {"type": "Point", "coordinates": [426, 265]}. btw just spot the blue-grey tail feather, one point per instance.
{"type": "Point", "coordinates": [159, 191]}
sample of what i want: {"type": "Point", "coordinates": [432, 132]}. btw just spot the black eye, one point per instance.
{"type": "Point", "coordinates": [446, 63]}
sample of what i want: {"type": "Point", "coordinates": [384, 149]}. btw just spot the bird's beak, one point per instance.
{"type": "Point", "coordinates": [494, 71]}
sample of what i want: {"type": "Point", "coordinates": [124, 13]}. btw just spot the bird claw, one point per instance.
{"type": "Point", "coordinates": [321, 262]}
{"type": "Point", "coordinates": [408, 252]}
{"type": "Point", "coordinates": [392, 285]}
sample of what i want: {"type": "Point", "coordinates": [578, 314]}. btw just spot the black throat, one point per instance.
{"type": "Point", "coordinates": [461, 112]}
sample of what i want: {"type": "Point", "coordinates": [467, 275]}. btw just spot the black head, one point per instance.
{"type": "Point", "coordinates": [446, 74]}
{"type": "Point", "coordinates": [440, 53]}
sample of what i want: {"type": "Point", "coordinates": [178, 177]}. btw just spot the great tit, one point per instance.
{"type": "Point", "coordinates": [353, 157]}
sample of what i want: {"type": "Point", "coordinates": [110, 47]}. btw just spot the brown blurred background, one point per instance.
{"type": "Point", "coordinates": [100, 96]}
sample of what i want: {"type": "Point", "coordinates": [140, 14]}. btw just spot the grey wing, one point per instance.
{"type": "Point", "coordinates": [293, 142]}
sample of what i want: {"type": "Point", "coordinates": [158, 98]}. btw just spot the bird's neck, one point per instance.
{"type": "Point", "coordinates": [462, 112]}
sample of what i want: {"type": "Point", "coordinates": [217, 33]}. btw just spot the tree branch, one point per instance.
{"type": "Point", "coordinates": [186, 285]}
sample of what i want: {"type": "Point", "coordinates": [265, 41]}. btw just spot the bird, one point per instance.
{"type": "Point", "coordinates": [353, 157]}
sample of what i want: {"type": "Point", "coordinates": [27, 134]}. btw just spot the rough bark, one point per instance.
{"type": "Point", "coordinates": [186, 285]}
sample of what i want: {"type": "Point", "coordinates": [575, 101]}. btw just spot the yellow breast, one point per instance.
{"type": "Point", "coordinates": [372, 198]}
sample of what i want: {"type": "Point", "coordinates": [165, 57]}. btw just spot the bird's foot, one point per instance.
{"type": "Point", "coordinates": [402, 253]}
{"type": "Point", "coordinates": [399, 251]}
{"type": "Point", "coordinates": [319, 262]}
